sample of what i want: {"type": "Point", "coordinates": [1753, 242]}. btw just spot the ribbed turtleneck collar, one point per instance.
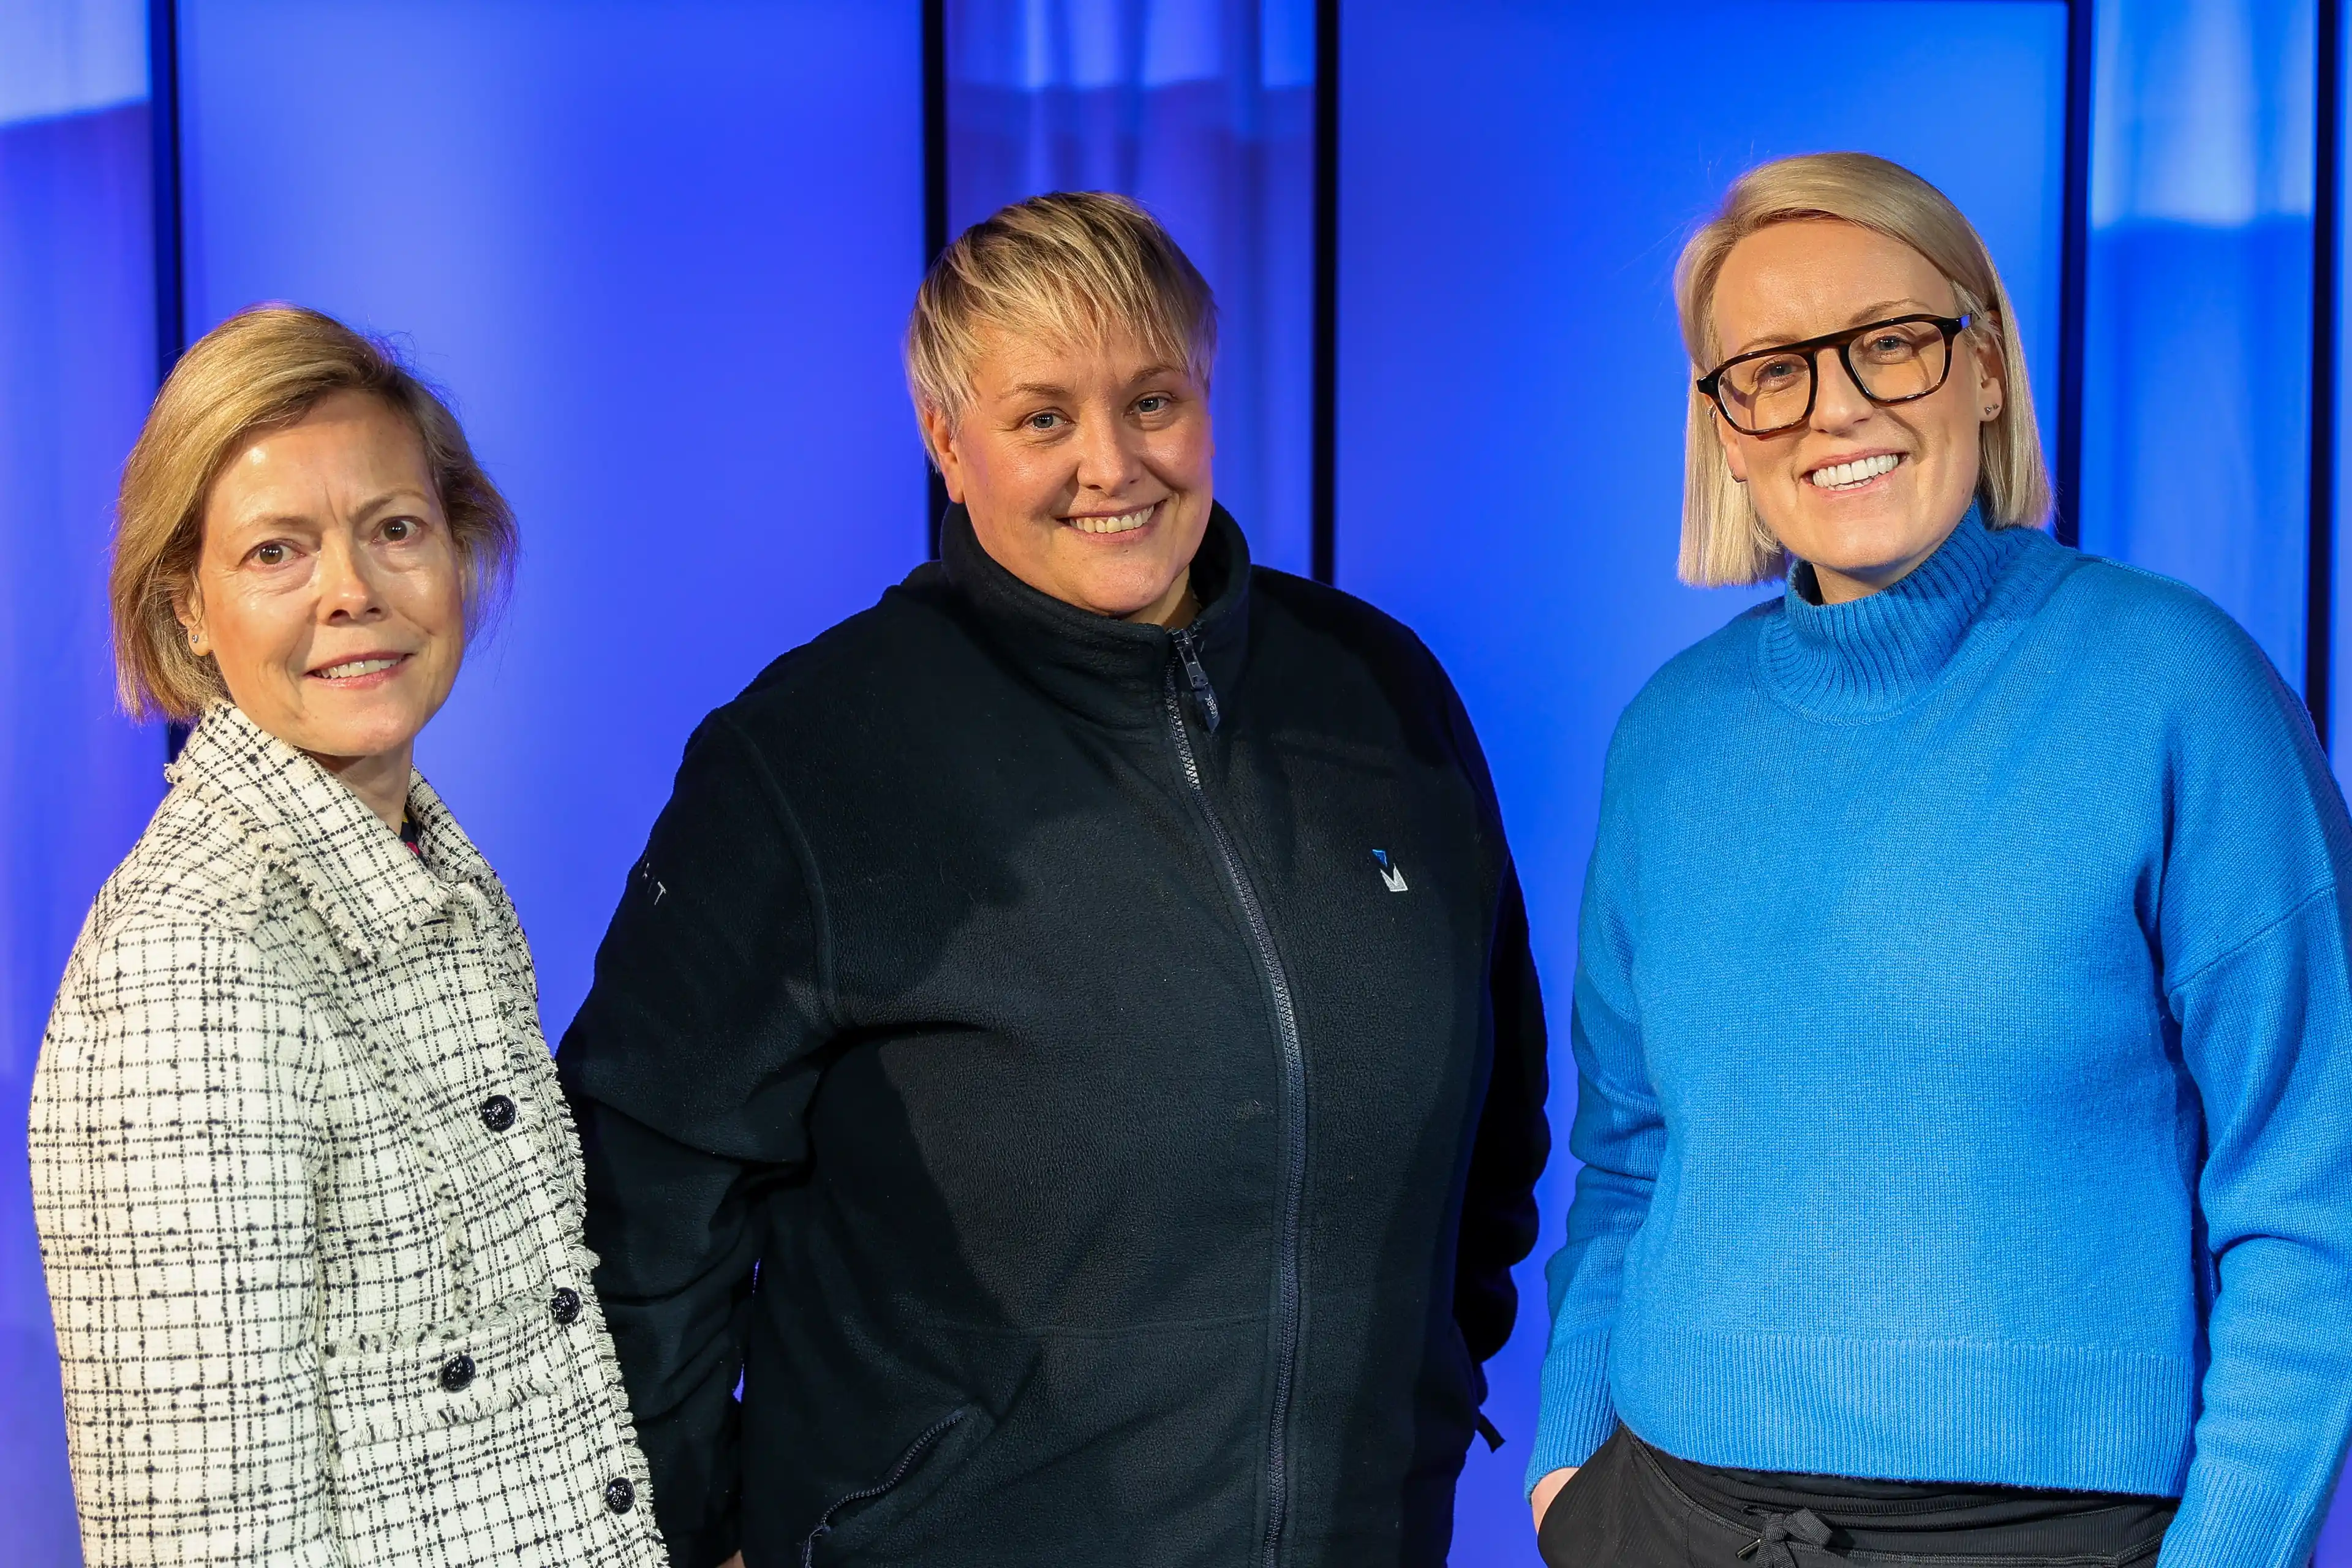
{"type": "Point", "coordinates": [1112, 671]}
{"type": "Point", "coordinates": [1873, 653]}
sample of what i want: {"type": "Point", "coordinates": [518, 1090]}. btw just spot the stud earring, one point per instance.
{"type": "Point", "coordinates": [1990, 409]}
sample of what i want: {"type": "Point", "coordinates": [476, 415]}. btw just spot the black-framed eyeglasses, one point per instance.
{"type": "Point", "coordinates": [1772, 390]}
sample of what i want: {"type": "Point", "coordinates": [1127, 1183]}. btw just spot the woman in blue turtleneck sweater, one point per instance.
{"type": "Point", "coordinates": [1963, 1020]}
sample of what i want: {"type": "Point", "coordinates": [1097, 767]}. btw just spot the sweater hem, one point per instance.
{"type": "Point", "coordinates": [1965, 1412]}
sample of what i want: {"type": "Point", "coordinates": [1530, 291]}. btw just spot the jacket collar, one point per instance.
{"type": "Point", "coordinates": [369, 889]}
{"type": "Point", "coordinates": [1113, 672]}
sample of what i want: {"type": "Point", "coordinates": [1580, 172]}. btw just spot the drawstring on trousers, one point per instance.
{"type": "Point", "coordinates": [1780, 1529]}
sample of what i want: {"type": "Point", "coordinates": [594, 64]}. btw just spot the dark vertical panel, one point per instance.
{"type": "Point", "coordinates": [163, 118]}
{"type": "Point", "coordinates": [935, 129]}
{"type": "Point", "coordinates": [1515, 182]}
{"type": "Point", "coordinates": [662, 250]}
{"type": "Point", "coordinates": [935, 206]}
{"type": "Point", "coordinates": [2338, 434]}
{"type": "Point", "coordinates": [1323, 448]}
{"type": "Point", "coordinates": [78, 351]}
{"type": "Point", "coordinates": [1203, 111]}
{"type": "Point", "coordinates": [170, 280]}
{"type": "Point", "coordinates": [2319, 572]}
{"type": "Point", "coordinates": [2067, 469]}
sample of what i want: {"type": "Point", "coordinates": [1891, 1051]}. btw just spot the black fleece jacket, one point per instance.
{"type": "Point", "coordinates": [1087, 1080]}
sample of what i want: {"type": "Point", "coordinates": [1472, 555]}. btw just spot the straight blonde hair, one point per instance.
{"type": "Point", "coordinates": [261, 370]}
{"type": "Point", "coordinates": [1070, 267]}
{"type": "Point", "coordinates": [1724, 541]}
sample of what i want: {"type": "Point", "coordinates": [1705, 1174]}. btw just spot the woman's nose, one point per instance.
{"type": "Point", "coordinates": [346, 587]}
{"type": "Point", "coordinates": [1838, 402]}
{"type": "Point", "coordinates": [1106, 460]}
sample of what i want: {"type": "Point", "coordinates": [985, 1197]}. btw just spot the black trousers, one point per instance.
{"type": "Point", "coordinates": [1633, 1505]}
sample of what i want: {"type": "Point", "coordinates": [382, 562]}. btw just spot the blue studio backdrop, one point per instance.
{"type": "Point", "coordinates": [78, 362]}
{"type": "Point", "coordinates": [661, 251]}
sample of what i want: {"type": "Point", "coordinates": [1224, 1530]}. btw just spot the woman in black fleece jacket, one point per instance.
{"type": "Point", "coordinates": [1070, 1044]}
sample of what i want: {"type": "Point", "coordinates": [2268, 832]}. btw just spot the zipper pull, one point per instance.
{"type": "Point", "coordinates": [1202, 692]}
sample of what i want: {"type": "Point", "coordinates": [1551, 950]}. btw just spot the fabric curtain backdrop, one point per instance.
{"type": "Point", "coordinates": [1204, 112]}
{"type": "Point", "coordinates": [76, 780]}
{"type": "Point", "coordinates": [2197, 335]}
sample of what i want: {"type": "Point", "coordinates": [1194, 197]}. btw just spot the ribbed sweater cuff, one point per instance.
{"type": "Point", "coordinates": [1578, 1414]}
{"type": "Point", "coordinates": [2229, 1519]}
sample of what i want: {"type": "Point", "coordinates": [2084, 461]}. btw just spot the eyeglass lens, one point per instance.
{"type": "Point", "coordinates": [1892, 362]}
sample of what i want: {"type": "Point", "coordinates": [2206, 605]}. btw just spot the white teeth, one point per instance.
{"type": "Point", "coordinates": [1125, 522]}
{"type": "Point", "coordinates": [1845, 476]}
{"type": "Point", "coordinates": [356, 667]}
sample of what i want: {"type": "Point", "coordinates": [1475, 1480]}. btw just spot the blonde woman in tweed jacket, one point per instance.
{"type": "Point", "coordinates": [309, 1200]}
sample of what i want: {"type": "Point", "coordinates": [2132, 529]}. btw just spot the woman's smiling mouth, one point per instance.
{"type": "Point", "coordinates": [1854, 473]}
{"type": "Point", "coordinates": [359, 669]}
{"type": "Point", "coordinates": [1120, 522]}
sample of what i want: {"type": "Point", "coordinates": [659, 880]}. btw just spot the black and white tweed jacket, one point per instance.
{"type": "Point", "coordinates": [309, 1200]}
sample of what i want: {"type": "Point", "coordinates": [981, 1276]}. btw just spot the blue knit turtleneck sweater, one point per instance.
{"type": "Point", "coordinates": [1963, 1025]}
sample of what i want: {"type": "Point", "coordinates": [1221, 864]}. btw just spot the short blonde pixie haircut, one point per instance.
{"type": "Point", "coordinates": [1069, 267]}
{"type": "Point", "coordinates": [261, 370]}
{"type": "Point", "coordinates": [1724, 541]}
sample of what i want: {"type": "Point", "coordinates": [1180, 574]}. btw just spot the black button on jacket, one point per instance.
{"type": "Point", "coordinates": [1132, 1122]}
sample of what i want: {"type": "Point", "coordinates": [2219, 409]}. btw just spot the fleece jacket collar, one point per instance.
{"type": "Point", "coordinates": [1110, 671]}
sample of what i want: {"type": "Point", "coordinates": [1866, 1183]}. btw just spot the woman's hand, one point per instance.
{"type": "Point", "coordinates": [737, 1560]}
{"type": "Point", "coordinates": [1547, 1489]}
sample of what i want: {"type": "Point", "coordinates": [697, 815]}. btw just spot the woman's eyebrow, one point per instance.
{"type": "Point", "coordinates": [1887, 307]}
{"type": "Point", "coordinates": [1049, 389]}
{"type": "Point", "coordinates": [271, 519]}
{"type": "Point", "coordinates": [401, 495]}
{"type": "Point", "coordinates": [1866, 313]}
{"type": "Point", "coordinates": [391, 498]}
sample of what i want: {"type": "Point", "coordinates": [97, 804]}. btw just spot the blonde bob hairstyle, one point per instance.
{"type": "Point", "coordinates": [1724, 541]}
{"type": "Point", "coordinates": [259, 371]}
{"type": "Point", "coordinates": [1069, 267]}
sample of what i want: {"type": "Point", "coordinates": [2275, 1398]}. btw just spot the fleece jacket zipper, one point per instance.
{"type": "Point", "coordinates": [1294, 1088]}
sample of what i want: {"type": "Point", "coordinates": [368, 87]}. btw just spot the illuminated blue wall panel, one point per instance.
{"type": "Point", "coordinates": [1204, 111]}
{"type": "Point", "coordinates": [2196, 339]}
{"type": "Point", "coordinates": [1516, 180]}
{"type": "Point", "coordinates": [76, 780]}
{"type": "Point", "coordinates": [662, 252]}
